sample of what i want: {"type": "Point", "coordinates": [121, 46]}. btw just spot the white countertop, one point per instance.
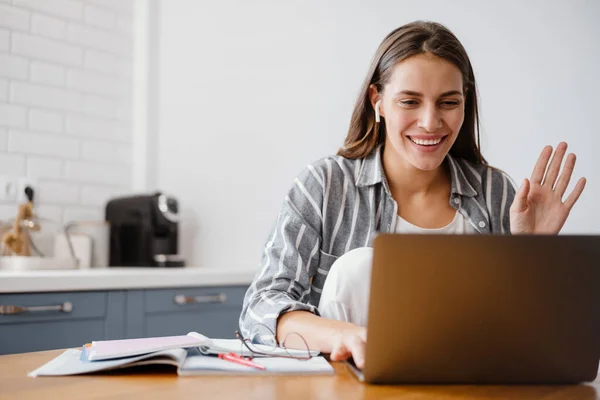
{"type": "Point", "coordinates": [120, 278]}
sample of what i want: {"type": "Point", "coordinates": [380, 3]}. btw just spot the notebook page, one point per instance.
{"type": "Point", "coordinates": [109, 349]}
{"type": "Point", "coordinates": [218, 346]}
{"type": "Point", "coordinates": [200, 364]}
{"type": "Point", "coordinates": [70, 363]}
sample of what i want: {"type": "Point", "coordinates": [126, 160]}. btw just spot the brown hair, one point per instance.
{"type": "Point", "coordinates": [419, 37]}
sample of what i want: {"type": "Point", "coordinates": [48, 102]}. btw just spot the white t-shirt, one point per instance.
{"type": "Point", "coordinates": [459, 225]}
{"type": "Point", "coordinates": [345, 295]}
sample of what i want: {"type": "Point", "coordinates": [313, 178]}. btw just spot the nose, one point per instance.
{"type": "Point", "coordinates": [430, 119]}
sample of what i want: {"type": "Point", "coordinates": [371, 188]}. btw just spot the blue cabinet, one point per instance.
{"type": "Point", "coordinates": [80, 317]}
{"type": "Point", "coordinates": [84, 316]}
{"type": "Point", "coordinates": [214, 312]}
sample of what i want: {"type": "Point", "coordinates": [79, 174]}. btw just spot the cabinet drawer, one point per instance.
{"type": "Point", "coordinates": [210, 299]}
{"type": "Point", "coordinates": [211, 311]}
{"type": "Point", "coordinates": [52, 329]}
{"type": "Point", "coordinates": [211, 323]}
{"type": "Point", "coordinates": [50, 335]}
{"type": "Point", "coordinates": [78, 305]}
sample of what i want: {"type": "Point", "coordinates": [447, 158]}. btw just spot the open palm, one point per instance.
{"type": "Point", "coordinates": [538, 206]}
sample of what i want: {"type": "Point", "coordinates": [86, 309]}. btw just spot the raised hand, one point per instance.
{"type": "Point", "coordinates": [538, 206]}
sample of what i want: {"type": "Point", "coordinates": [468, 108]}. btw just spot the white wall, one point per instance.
{"type": "Point", "coordinates": [65, 102]}
{"type": "Point", "coordinates": [250, 92]}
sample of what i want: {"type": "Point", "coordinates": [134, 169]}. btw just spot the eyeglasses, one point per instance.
{"type": "Point", "coordinates": [270, 347]}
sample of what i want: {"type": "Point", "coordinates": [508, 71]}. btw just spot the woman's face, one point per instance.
{"type": "Point", "coordinates": [423, 107]}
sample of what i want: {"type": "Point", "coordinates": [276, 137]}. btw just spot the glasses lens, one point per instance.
{"type": "Point", "coordinates": [295, 346]}
{"type": "Point", "coordinates": [262, 339]}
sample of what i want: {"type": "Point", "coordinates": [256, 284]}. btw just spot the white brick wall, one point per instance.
{"type": "Point", "coordinates": [43, 167]}
{"type": "Point", "coordinates": [13, 164]}
{"type": "Point", "coordinates": [66, 102]}
{"type": "Point", "coordinates": [82, 214]}
{"type": "Point", "coordinates": [100, 17]}
{"type": "Point", "coordinates": [98, 39]}
{"type": "Point", "coordinates": [55, 192]}
{"type": "Point", "coordinates": [11, 17]}
{"type": "Point", "coordinates": [42, 120]}
{"type": "Point", "coordinates": [98, 128]}
{"type": "Point", "coordinates": [3, 90]}
{"type": "Point", "coordinates": [42, 72]}
{"type": "Point", "coordinates": [124, 7]}
{"type": "Point", "coordinates": [67, 9]}
{"type": "Point", "coordinates": [12, 115]}
{"type": "Point", "coordinates": [102, 173]}
{"type": "Point", "coordinates": [3, 139]}
{"type": "Point", "coordinates": [46, 49]}
{"type": "Point", "coordinates": [94, 195]}
{"type": "Point", "coordinates": [43, 144]}
{"type": "Point", "coordinates": [44, 96]}
{"type": "Point", "coordinates": [48, 26]}
{"type": "Point", "coordinates": [4, 39]}
{"type": "Point", "coordinates": [13, 66]}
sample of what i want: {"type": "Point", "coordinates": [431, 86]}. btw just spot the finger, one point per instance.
{"type": "Point", "coordinates": [340, 352]}
{"type": "Point", "coordinates": [358, 349]}
{"type": "Point", "coordinates": [363, 334]}
{"type": "Point", "coordinates": [565, 176]}
{"type": "Point", "coordinates": [555, 164]}
{"type": "Point", "coordinates": [540, 166]}
{"type": "Point", "coordinates": [572, 199]}
{"type": "Point", "coordinates": [520, 201]}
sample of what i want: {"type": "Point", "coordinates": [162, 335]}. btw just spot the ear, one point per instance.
{"type": "Point", "coordinates": [375, 96]}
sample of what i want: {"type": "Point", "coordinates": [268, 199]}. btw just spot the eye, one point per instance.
{"type": "Point", "coordinates": [448, 104]}
{"type": "Point", "coordinates": [409, 102]}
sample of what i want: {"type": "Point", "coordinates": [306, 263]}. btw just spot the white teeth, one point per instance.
{"type": "Point", "coordinates": [426, 142]}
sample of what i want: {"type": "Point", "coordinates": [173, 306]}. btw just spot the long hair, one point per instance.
{"type": "Point", "coordinates": [419, 37]}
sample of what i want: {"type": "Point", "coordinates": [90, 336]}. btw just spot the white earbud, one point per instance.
{"type": "Point", "coordinates": [377, 117]}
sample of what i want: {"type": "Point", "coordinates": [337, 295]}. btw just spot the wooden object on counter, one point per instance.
{"type": "Point", "coordinates": [16, 240]}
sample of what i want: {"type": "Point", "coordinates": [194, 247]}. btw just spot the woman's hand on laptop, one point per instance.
{"type": "Point", "coordinates": [538, 207]}
{"type": "Point", "coordinates": [348, 343]}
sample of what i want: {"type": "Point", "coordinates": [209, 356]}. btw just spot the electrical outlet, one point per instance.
{"type": "Point", "coordinates": [8, 188]}
{"type": "Point", "coordinates": [22, 183]}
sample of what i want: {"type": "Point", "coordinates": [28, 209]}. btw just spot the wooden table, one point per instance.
{"type": "Point", "coordinates": [15, 384]}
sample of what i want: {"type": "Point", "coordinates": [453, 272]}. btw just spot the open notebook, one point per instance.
{"type": "Point", "coordinates": [110, 349]}
{"type": "Point", "coordinates": [199, 357]}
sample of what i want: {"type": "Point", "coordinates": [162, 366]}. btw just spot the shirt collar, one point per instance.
{"type": "Point", "coordinates": [371, 170]}
{"type": "Point", "coordinates": [371, 173]}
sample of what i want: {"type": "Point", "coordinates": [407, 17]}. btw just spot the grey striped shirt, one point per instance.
{"type": "Point", "coordinates": [338, 204]}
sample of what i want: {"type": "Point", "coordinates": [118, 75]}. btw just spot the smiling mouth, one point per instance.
{"type": "Point", "coordinates": [427, 142]}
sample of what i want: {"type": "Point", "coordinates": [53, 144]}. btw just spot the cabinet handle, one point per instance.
{"type": "Point", "coordinates": [65, 307]}
{"type": "Point", "coordinates": [215, 298]}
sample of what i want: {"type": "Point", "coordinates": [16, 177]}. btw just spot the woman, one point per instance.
{"type": "Point", "coordinates": [411, 162]}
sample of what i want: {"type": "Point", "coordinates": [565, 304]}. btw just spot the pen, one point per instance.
{"type": "Point", "coordinates": [241, 360]}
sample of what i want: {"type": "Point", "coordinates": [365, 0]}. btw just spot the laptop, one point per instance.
{"type": "Point", "coordinates": [483, 309]}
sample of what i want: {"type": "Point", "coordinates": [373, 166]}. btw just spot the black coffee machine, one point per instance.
{"type": "Point", "coordinates": [144, 231]}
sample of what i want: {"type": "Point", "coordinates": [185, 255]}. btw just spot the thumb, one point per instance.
{"type": "Point", "coordinates": [520, 202]}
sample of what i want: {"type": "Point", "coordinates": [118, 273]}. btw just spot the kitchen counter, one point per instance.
{"type": "Point", "coordinates": [120, 278]}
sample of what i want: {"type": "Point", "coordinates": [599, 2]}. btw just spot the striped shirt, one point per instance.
{"type": "Point", "coordinates": [338, 204]}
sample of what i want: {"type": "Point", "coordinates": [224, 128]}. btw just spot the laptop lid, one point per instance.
{"type": "Point", "coordinates": [484, 309]}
